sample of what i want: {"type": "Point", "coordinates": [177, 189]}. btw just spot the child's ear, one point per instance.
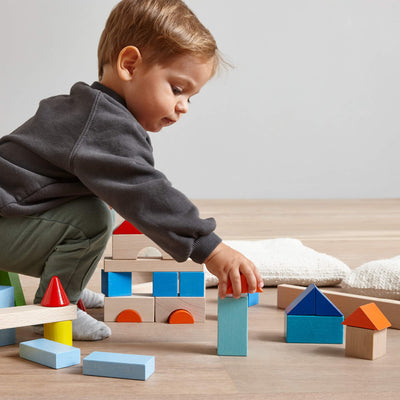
{"type": "Point", "coordinates": [129, 59]}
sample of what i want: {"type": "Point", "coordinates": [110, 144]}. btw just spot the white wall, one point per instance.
{"type": "Point", "coordinates": [311, 109]}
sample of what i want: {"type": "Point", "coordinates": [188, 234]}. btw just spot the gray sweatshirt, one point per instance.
{"type": "Point", "coordinates": [88, 143]}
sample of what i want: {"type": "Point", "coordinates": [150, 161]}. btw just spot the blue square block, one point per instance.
{"type": "Point", "coordinates": [51, 354]}
{"type": "Point", "coordinates": [232, 326]}
{"type": "Point", "coordinates": [118, 365]}
{"type": "Point", "coordinates": [116, 283]}
{"type": "Point", "coordinates": [191, 284]}
{"type": "Point", "coordinates": [165, 284]}
{"type": "Point", "coordinates": [253, 299]}
{"type": "Point", "coordinates": [6, 296]}
{"type": "Point", "coordinates": [7, 337]}
{"type": "Point", "coordinates": [313, 329]}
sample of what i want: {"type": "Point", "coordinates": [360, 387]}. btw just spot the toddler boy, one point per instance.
{"type": "Point", "coordinates": [84, 151]}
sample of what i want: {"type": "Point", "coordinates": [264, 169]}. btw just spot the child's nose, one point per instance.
{"type": "Point", "coordinates": [182, 106]}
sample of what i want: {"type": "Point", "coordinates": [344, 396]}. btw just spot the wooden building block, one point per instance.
{"type": "Point", "coordinates": [165, 284]}
{"type": "Point", "coordinates": [166, 305]}
{"type": "Point", "coordinates": [7, 337]}
{"type": "Point", "coordinates": [6, 296]}
{"type": "Point", "coordinates": [191, 284]}
{"type": "Point", "coordinates": [143, 304]}
{"type": "Point", "coordinates": [232, 326]}
{"type": "Point", "coordinates": [51, 354]}
{"type": "Point", "coordinates": [129, 315]}
{"type": "Point", "coordinates": [243, 284]}
{"type": "Point", "coordinates": [12, 279]}
{"type": "Point", "coordinates": [130, 246]}
{"type": "Point", "coordinates": [313, 329]}
{"type": "Point", "coordinates": [117, 365]}
{"type": "Point", "coordinates": [368, 316]}
{"type": "Point", "coordinates": [253, 299]}
{"type": "Point", "coordinates": [15, 317]}
{"type": "Point", "coordinates": [365, 343]}
{"type": "Point", "coordinates": [116, 283]}
{"type": "Point", "coordinates": [181, 317]}
{"type": "Point", "coordinates": [60, 332]}
{"type": "Point", "coordinates": [345, 302]}
{"type": "Point", "coordinates": [150, 265]}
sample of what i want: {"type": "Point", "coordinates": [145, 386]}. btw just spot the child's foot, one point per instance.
{"type": "Point", "coordinates": [92, 299]}
{"type": "Point", "coordinates": [84, 327]}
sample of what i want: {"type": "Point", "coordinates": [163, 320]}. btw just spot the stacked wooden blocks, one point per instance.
{"type": "Point", "coordinates": [176, 286]}
{"type": "Point", "coordinates": [313, 318]}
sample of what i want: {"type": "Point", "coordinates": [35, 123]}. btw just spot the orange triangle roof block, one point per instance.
{"type": "Point", "coordinates": [126, 228]}
{"type": "Point", "coordinates": [181, 317]}
{"type": "Point", "coordinates": [129, 316]}
{"type": "Point", "coordinates": [368, 316]}
{"type": "Point", "coordinates": [55, 295]}
{"type": "Point", "coordinates": [245, 287]}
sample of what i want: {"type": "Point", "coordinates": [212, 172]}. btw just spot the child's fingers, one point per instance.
{"type": "Point", "coordinates": [222, 288]}
{"type": "Point", "coordinates": [249, 271]}
{"type": "Point", "coordinates": [234, 276]}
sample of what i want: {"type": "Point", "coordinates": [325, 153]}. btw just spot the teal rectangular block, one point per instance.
{"type": "Point", "coordinates": [51, 354]}
{"type": "Point", "coordinates": [116, 283]}
{"type": "Point", "coordinates": [165, 284]}
{"type": "Point", "coordinates": [313, 329]}
{"type": "Point", "coordinates": [191, 284]}
{"type": "Point", "coordinates": [7, 337]}
{"type": "Point", "coordinates": [6, 296]}
{"type": "Point", "coordinates": [232, 326]}
{"type": "Point", "coordinates": [119, 365]}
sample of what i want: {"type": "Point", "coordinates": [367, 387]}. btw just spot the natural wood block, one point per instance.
{"type": "Point", "coordinates": [150, 265]}
{"type": "Point", "coordinates": [347, 303]}
{"type": "Point", "coordinates": [166, 305]}
{"type": "Point", "coordinates": [130, 246]}
{"type": "Point", "coordinates": [365, 343]}
{"type": "Point", "coordinates": [15, 317]}
{"type": "Point", "coordinates": [143, 304]}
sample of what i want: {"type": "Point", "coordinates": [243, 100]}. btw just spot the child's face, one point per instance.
{"type": "Point", "coordinates": [158, 95]}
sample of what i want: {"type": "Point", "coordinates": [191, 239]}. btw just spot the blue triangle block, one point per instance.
{"type": "Point", "coordinates": [324, 307]}
{"type": "Point", "coordinates": [304, 304]}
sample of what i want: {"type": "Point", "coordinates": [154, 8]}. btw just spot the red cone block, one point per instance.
{"type": "Point", "coordinates": [126, 228]}
{"type": "Point", "coordinates": [55, 295]}
{"type": "Point", "coordinates": [80, 305]}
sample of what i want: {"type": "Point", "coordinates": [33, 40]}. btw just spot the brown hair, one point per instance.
{"type": "Point", "coordinates": [160, 29]}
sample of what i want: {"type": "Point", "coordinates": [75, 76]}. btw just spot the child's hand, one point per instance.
{"type": "Point", "coordinates": [225, 262]}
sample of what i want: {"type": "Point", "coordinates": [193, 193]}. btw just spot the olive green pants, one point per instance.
{"type": "Point", "coordinates": [67, 241]}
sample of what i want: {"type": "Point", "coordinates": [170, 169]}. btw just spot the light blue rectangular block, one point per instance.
{"type": "Point", "coordinates": [191, 284]}
{"type": "Point", "coordinates": [232, 326]}
{"type": "Point", "coordinates": [118, 365]}
{"type": "Point", "coordinates": [51, 354]}
{"type": "Point", "coordinates": [313, 329]}
{"type": "Point", "coordinates": [6, 296]}
{"type": "Point", "coordinates": [165, 284]}
{"type": "Point", "coordinates": [115, 284]}
{"type": "Point", "coordinates": [7, 337]}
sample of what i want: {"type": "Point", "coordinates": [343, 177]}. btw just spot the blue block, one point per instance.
{"type": "Point", "coordinates": [6, 296]}
{"type": "Point", "coordinates": [253, 299]}
{"type": "Point", "coordinates": [165, 284]}
{"type": "Point", "coordinates": [232, 326]}
{"type": "Point", "coordinates": [116, 283]}
{"type": "Point", "coordinates": [304, 304]}
{"type": "Point", "coordinates": [313, 329]}
{"type": "Point", "coordinates": [117, 365]}
{"type": "Point", "coordinates": [191, 284]}
{"type": "Point", "coordinates": [7, 337]}
{"type": "Point", "coordinates": [323, 306]}
{"type": "Point", "coordinates": [51, 354]}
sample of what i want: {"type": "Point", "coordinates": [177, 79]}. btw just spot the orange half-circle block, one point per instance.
{"type": "Point", "coordinates": [129, 316]}
{"type": "Point", "coordinates": [245, 287]}
{"type": "Point", "coordinates": [181, 317]}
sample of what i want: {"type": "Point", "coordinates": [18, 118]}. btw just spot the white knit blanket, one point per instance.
{"type": "Point", "coordinates": [286, 260]}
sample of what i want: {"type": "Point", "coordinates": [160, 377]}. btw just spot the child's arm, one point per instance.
{"type": "Point", "coordinates": [225, 262]}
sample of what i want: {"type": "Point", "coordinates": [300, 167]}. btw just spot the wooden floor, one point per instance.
{"type": "Point", "coordinates": [187, 366]}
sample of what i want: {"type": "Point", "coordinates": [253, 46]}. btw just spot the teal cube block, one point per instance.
{"type": "Point", "coordinates": [116, 283]}
{"type": "Point", "coordinates": [165, 284]}
{"type": "Point", "coordinates": [232, 326]}
{"type": "Point", "coordinates": [49, 353]}
{"type": "Point", "coordinates": [191, 284]}
{"type": "Point", "coordinates": [6, 296]}
{"type": "Point", "coordinates": [119, 365]}
{"type": "Point", "coordinates": [253, 299]}
{"type": "Point", "coordinates": [313, 329]}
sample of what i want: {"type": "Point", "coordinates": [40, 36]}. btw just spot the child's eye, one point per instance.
{"type": "Point", "coordinates": [176, 90]}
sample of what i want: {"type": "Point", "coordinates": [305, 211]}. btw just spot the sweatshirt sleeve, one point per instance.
{"type": "Point", "coordinates": [113, 158]}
